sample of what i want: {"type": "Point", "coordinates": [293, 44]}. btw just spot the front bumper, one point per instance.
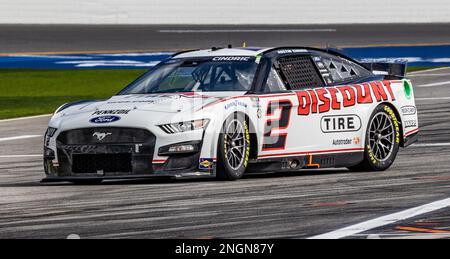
{"type": "Point", "coordinates": [127, 154]}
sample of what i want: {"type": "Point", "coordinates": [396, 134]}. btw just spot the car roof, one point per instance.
{"type": "Point", "coordinates": [252, 51]}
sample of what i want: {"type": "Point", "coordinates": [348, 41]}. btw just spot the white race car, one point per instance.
{"type": "Point", "coordinates": [225, 112]}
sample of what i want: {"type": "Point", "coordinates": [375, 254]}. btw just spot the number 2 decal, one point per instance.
{"type": "Point", "coordinates": [277, 141]}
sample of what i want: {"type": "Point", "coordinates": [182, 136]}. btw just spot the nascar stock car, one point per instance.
{"type": "Point", "coordinates": [224, 112]}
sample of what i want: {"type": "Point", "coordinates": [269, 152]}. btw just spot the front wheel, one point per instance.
{"type": "Point", "coordinates": [382, 140]}
{"type": "Point", "coordinates": [234, 148]}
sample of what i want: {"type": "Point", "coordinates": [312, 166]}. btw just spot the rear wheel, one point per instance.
{"type": "Point", "coordinates": [234, 148]}
{"type": "Point", "coordinates": [382, 140]}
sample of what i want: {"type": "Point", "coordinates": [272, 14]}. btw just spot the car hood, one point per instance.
{"type": "Point", "coordinates": [167, 103]}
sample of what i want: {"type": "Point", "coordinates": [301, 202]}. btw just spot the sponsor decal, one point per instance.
{"type": "Point", "coordinates": [321, 66]}
{"type": "Point", "coordinates": [259, 113]}
{"type": "Point", "coordinates": [258, 59]}
{"type": "Point", "coordinates": [157, 99]}
{"type": "Point", "coordinates": [101, 135]}
{"type": "Point", "coordinates": [410, 123]}
{"type": "Point", "coordinates": [323, 100]}
{"type": "Point", "coordinates": [235, 103]}
{"type": "Point", "coordinates": [205, 163]}
{"type": "Point", "coordinates": [409, 110]}
{"type": "Point", "coordinates": [255, 102]}
{"type": "Point", "coordinates": [340, 123]}
{"type": "Point", "coordinates": [105, 119]}
{"type": "Point", "coordinates": [291, 51]}
{"type": "Point", "coordinates": [111, 112]}
{"type": "Point", "coordinates": [342, 142]}
{"type": "Point", "coordinates": [245, 59]}
{"type": "Point", "coordinates": [408, 88]}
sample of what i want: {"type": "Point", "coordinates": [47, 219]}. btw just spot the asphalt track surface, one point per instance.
{"type": "Point", "coordinates": [79, 38]}
{"type": "Point", "coordinates": [289, 205]}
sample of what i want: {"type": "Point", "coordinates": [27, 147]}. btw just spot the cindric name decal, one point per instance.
{"type": "Point", "coordinates": [245, 59]}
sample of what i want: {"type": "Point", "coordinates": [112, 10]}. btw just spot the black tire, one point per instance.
{"type": "Point", "coordinates": [232, 159]}
{"type": "Point", "coordinates": [87, 182]}
{"type": "Point", "coordinates": [379, 154]}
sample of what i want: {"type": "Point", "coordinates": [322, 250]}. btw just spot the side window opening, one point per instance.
{"type": "Point", "coordinates": [299, 72]}
{"type": "Point", "coordinates": [274, 82]}
{"type": "Point", "coordinates": [338, 70]}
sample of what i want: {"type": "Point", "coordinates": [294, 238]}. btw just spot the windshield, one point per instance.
{"type": "Point", "coordinates": [213, 74]}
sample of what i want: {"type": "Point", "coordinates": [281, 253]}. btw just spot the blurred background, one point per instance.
{"type": "Point", "coordinates": [55, 51]}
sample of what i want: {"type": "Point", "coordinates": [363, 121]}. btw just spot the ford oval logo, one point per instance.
{"type": "Point", "coordinates": [105, 119]}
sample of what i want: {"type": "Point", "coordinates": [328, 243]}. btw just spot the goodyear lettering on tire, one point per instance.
{"type": "Point", "coordinates": [395, 121]}
{"type": "Point", "coordinates": [247, 139]}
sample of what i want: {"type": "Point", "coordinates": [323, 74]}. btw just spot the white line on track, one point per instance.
{"type": "Point", "coordinates": [247, 30]}
{"type": "Point", "coordinates": [428, 70]}
{"type": "Point", "coordinates": [20, 156]}
{"type": "Point", "coordinates": [385, 220]}
{"type": "Point", "coordinates": [435, 84]}
{"type": "Point", "coordinates": [429, 75]}
{"type": "Point", "coordinates": [431, 145]}
{"type": "Point", "coordinates": [20, 137]}
{"type": "Point", "coordinates": [432, 98]}
{"type": "Point", "coordinates": [27, 118]}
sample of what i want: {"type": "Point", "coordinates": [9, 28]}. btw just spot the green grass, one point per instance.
{"type": "Point", "coordinates": [33, 92]}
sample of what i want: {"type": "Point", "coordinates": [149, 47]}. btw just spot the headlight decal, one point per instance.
{"type": "Point", "coordinates": [50, 132]}
{"type": "Point", "coordinates": [184, 126]}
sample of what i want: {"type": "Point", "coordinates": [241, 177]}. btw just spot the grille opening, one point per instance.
{"type": "Point", "coordinates": [109, 163]}
{"type": "Point", "coordinates": [111, 135]}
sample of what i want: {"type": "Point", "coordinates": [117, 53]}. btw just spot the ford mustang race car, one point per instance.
{"type": "Point", "coordinates": [225, 112]}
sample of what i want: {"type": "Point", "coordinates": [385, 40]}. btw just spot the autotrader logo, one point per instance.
{"type": "Point", "coordinates": [105, 119]}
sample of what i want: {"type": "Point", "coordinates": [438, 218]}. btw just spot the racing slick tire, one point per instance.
{"type": "Point", "coordinates": [382, 140]}
{"type": "Point", "coordinates": [234, 148]}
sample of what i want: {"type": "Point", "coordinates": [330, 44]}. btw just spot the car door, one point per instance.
{"type": "Point", "coordinates": [290, 129]}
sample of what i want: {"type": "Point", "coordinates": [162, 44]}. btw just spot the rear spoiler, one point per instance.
{"type": "Point", "coordinates": [388, 70]}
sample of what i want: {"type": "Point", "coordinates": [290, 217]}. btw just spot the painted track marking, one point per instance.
{"type": "Point", "coordinates": [20, 156]}
{"type": "Point", "coordinates": [423, 72]}
{"type": "Point", "coordinates": [429, 75]}
{"type": "Point", "coordinates": [435, 84]}
{"type": "Point", "coordinates": [247, 30]}
{"type": "Point", "coordinates": [27, 118]}
{"type": "Point", "coordinates": [385, 220]}
{"type": "Point", "coordinates": [20, 137]}
{"type": "Point", "coordinates": [431, 145]}
{"type": "Point", "coordinates": [432, 98]}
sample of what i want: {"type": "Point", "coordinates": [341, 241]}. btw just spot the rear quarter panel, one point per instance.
{"type": "Point", "coordinates": [306, 133]}
{"type": "Point", "coordinates": [405, 107]}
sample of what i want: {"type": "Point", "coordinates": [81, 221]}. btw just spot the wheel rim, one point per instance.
{"type": "Point", "coordinates": [236, 144]}
{"type": "Point", "coordinates": [381, 136]}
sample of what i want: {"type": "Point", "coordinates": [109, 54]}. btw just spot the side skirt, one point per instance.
{"type": "Point", "coordinates": [295, 163]}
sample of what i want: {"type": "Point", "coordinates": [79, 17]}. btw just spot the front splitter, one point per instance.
{"type": "Point", "coordinates": [184, 175]}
